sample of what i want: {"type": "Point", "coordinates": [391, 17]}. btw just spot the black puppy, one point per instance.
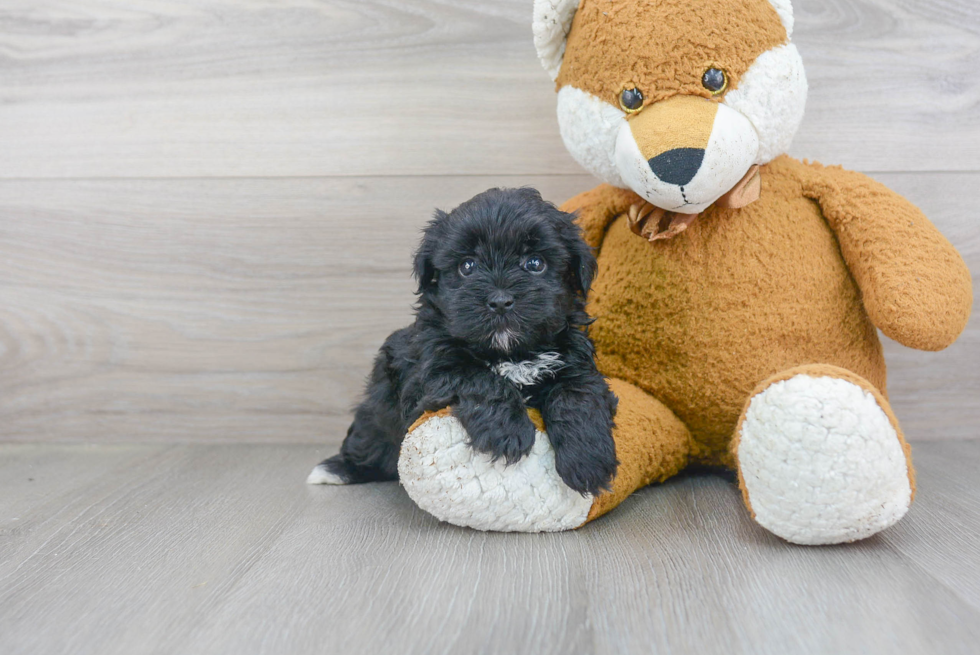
{"type": "Point", "coordinates": [500, 325]}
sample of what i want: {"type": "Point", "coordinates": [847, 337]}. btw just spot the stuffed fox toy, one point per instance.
{"type": "Point", "coordinates": [738, 292]}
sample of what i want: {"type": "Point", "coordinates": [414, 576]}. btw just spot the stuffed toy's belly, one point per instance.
{"type": "Point", "coordinates": [699, 320]}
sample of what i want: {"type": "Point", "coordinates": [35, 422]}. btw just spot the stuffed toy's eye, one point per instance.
{"type": "Point", "coordinates": [631, 100]}
{"type": "Point", "coordinates": [467, 266]}
{"type": "Point", "coordinates": [534, 264]}
{"type": "Point", "coordinates": [715, 80]}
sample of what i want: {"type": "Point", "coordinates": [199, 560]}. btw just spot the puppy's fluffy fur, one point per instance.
{"type": "Point", "coordinates": [500, 325]}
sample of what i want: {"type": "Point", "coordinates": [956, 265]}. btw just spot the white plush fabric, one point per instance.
{"type": "Point", "coordinates": [454, 483]}
{"type": "Point", "coordinates": [772, 96]}
{"type": "Point", "coordinates": [552, 19]}
{"type": "Point", "coordinates": [821, 462]}
{"type": "Point", "coordinates": [504, 340]}
{"type": "Point", "coordinates": [589, 127]}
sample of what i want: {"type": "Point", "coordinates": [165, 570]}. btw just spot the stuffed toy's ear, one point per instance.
{"type": "Point", "coordinates": [552, 21]}
{"type": "Point", "coordinates": [425, 271]}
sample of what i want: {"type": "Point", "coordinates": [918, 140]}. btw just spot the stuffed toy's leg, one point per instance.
{"type": "Point", "coordinates": [448, 479]}
{"type": "Point", "coordinates": [821, 458]}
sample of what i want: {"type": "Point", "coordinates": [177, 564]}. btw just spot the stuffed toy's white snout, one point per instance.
{"type": "Point", "coordinates": [687, 174]}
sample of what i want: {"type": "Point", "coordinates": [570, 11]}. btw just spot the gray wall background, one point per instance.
{"type": "Point", "coordinates": [207, 208]}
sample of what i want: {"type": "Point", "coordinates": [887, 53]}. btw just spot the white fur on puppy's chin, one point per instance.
{"type": "Point", "coordinates": [504, 340]}
{"type": "Point", "coordinates": [772, 96]}
{"type": "Point", "coordinates": [730, 153]}
{"type": "Point", "coordinates": [448, 479]}
{"type": "Point", "coordinates": [821, 462]}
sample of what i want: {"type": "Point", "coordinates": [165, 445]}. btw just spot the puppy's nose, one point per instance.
{"type": "Point", "coordinates": [678, 166]}
{"type": "Point", "coordinates": [500, 302]}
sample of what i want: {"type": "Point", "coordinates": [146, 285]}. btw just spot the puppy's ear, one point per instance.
{"type": "Point", "coordinates": [583, 265]}
{"type": "Point", "coordinates": [425, 270]}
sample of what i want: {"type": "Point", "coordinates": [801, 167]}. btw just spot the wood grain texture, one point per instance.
{"type": "Point", "coordinates": [250, 310]}
{"type": "Point", "coordinates": [190, 88]}
{"type": "Point", "coordinates": [231, 310]}
{"type": "Point", "coordinates": [219, 549]}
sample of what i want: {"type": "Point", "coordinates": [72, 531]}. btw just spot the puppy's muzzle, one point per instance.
{"type": "Point", "coordinates": [500, 302]}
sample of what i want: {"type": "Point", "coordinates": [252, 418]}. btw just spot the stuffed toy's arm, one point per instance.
{"type": "Point", "coordinates": [597, 208]}
{"type": "Point", "coordinates": [915, 286]}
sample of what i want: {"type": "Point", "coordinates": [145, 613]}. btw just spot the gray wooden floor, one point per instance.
{"type": "Point", "coordinates": [187, 549]}
{"type": "Point", "coordinates": [207, 213]}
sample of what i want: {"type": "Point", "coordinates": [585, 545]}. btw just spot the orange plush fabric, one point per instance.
{"type": "Point", "coordinates": [651, 444]}
{"type": "Point", "coordinates": [915, 286]}
{"type": "Point", "coordinates": [699, 321]}
{"type": "Point", "coordinates": [671, 48]}
{"type": "Point", "coordinates": [597, 208]}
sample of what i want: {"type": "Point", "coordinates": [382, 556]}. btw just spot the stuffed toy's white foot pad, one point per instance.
{"type": "Point", "coordinates": [456, 484]}
{"type": "Point", "coordinates": [821, 463]}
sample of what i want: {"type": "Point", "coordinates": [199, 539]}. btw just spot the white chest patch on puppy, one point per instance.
{"type": "Point", "coordinates": [531, 371]}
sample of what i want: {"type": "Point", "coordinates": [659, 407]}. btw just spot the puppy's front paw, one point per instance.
{"type": "Point", "coordinates": [500, 431]}
{"type": "Point", "coordinates": [585, 472]}
{"type": "Point", "coordinates": [585, 453]}
{"type": "Point", "coordinates": [580, 425]}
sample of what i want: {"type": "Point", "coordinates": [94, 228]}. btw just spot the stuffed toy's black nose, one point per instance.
{"type": "Point", "coordinates": [678, 166]}
{"type": "Point", "coordinates": [500, 302]}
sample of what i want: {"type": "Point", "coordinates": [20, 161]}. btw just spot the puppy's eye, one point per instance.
{"type": "Point", "coordinates": [715, 80]}
{"type": "Point", "coordinates": [534, 264]}
{"type": "Point", "coordinates": [631, 100]}
{"type": "Point", "coordinates": [467, 266]}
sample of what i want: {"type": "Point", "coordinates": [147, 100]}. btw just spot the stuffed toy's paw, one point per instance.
{"type": "Point", "coordinates": [446, 477]}
{"type": "Point", "coordinates": [821, 459]}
